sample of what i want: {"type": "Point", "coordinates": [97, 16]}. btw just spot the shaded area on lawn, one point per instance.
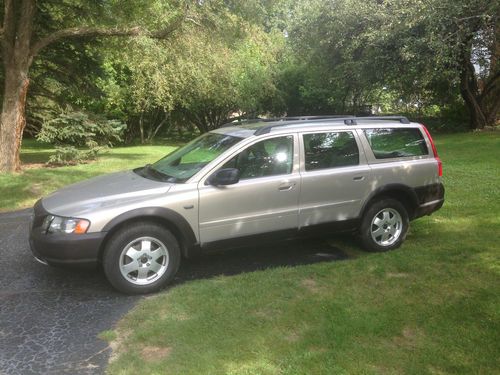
{"type": "Point", "coordinates": [249, 259]}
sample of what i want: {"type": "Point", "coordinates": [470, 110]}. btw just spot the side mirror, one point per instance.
{"type": "Point", "coordinates": [226, 176]}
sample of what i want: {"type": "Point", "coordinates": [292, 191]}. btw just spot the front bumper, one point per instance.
{"type": "Point", "coordinates": [62, 248]}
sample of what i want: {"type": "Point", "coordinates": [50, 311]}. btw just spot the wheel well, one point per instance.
{"type": "Point", "coordinates": [150, 219]}
{"type": "Point", "coordinates": [405, 197]}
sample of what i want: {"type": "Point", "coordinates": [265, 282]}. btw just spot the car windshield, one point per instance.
{"type": "Point", "coordinates": [186, 161]}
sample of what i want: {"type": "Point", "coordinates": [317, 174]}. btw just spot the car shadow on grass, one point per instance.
{"type": "Point", "coordinates": [255, 258]}
{"type": "Point", "coordinates": [229, 262]}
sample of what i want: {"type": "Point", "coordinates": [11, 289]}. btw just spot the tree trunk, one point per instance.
{"type": "Point", "coordinates": [141, 127]}
{"type": "Point", "coordinates": [469, 88]}
{"type": "Point", "coordinates": [16, 59]}
{"type": "Point", "coordinates": [482, 99]}
{"type": "Point", "coordinates": [483, 107]}
{"type": "Point", "coordinates": [13, 118]}
{"type": "Point", "coordinates": [152, 133]}
{"type": "Point", "coordinates": [477, 117]}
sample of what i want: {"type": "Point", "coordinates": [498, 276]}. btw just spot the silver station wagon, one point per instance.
{"type": "Point", "coordinates": [243, 183]}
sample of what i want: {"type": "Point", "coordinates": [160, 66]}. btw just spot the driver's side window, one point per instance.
{"type": "Point", "coordinates": [269, 157]}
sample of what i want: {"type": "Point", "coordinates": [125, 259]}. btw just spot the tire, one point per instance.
{"type": "Point", "coordinates": [141, 258]}
{"type": "Point", "coordinates": [384, 225]}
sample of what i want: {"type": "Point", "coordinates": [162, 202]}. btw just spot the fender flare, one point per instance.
{"type": "Point", "coordinates": [180, 225]}
{"type": "Point", "coordinates": [386, 190]}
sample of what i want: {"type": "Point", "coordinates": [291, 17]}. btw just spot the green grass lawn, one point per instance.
{"type": "Point", "coordinates": [431, 307]}
{"type": "Point", "coordinates": [20, 190]}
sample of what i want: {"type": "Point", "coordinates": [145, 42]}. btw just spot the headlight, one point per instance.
{"type": "Point", "coordinates": [58, 224]}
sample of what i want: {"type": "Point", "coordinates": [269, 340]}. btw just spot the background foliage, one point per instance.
{"type": "Point", "coordinates": [232, 59]}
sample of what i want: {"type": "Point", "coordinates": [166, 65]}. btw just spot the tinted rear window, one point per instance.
{"type": "Point", "coordinates": [330, 150]}
{"type": "Point", "coordinates": [396, 143]}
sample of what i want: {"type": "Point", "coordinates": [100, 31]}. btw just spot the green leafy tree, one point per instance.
{"type": "Point", "coordinates": [195, 77]}
{"type": "Point", "coordinates": [427, 53]}
{"type": "Point", "coordinates": [78, 136]}
{"type": "Point", "coordinates": [230, 79]}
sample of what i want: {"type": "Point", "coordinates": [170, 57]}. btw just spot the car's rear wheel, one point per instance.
{"type": "Point", "coordinates": [384, 225]}
{"type": "Point", "coordinates": [141, 258]}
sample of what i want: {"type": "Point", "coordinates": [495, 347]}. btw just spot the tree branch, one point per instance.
{"type": "Point", "coordinates": [193, 21]}
{"type": "Point", "coordinates": [86, 32]}
{"type": "Point", "coordinates": [481, 16]}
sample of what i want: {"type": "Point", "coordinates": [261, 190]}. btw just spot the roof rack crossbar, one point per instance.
{"type": "Point", "coordinates": [302, 118]}
{"type": "Point", "coordinates": [401, 119]}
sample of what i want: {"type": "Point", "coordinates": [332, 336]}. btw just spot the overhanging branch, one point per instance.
{"type": "Point", "coordinates": [86, 32]}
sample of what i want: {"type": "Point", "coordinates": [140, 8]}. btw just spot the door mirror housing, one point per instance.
{"type": "Point", "coordinates": [225, 176]}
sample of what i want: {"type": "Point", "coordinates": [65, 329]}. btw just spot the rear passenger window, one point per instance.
{"type": "Point", "coordinates": [396, 143]}
{"type": "Point", "coordinates": [330, 150]}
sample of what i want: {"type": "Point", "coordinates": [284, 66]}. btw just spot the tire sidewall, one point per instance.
{"type": "Point", "coordinates": [365, 230]}
{"type": "Point", "coordinates": [115, 246]}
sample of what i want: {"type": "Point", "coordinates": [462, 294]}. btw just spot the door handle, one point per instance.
{"type": "Point", "coordinates": [359, 178]}
{"type": "Point", "coordinates": [285, 186]}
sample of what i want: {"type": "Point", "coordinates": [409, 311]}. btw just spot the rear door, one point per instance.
{"type": "Point", "coordinates": [335, 177]}
{"type": "Point", "coordinates": [264, 200]}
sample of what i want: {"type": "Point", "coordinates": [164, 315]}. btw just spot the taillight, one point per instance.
{"type": "Point", "coordinates": [434, 150]}
{"type": "Point", "coordinates": [440, 167]}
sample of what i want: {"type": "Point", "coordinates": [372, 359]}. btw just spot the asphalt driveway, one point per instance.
{"type": "Point", "coordinates": [50, 317]}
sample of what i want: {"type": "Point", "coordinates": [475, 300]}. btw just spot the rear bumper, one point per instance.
{"type": "Point", "coordinates": [428, 208]}
{"type": "Point", "coordinates": [63, 248]}
{"type": "Point", "coordinates": [431, 199]}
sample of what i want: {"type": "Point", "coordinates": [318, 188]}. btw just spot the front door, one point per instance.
{"type": "Point", "coordinates": [264, 200]}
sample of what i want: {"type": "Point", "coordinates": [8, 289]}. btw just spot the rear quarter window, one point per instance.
{"type": "Point", "coordinates": [389, 143]}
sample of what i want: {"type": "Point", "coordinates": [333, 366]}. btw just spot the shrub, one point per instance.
{"type": "Point", "coordinates": [78, 136]}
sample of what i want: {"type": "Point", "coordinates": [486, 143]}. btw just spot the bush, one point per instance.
{"type": "Point", "coordinates": [78, 136]}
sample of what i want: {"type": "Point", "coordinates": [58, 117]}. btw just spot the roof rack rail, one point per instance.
{"type": "Point", "coordinates": [348, 120]}
{"type": "Point", "coordinates": [246, 121]}
{"type": "Point", "coordinates": [278, 119]}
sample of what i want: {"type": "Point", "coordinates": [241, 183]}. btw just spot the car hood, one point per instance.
{"type": "Point", "coordinates": [103, 191]}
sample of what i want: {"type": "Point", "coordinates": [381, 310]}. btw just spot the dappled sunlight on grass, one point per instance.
{"type": "Point", "coordinates": [258, 365]}
{"type": "Point", "coordinates": [489, 259]}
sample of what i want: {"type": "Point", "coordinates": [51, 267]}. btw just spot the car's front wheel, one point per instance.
{"type": "Point", "coordinates": [141, 258]}
{"type": "Point", "coordinates": [384, 225]}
